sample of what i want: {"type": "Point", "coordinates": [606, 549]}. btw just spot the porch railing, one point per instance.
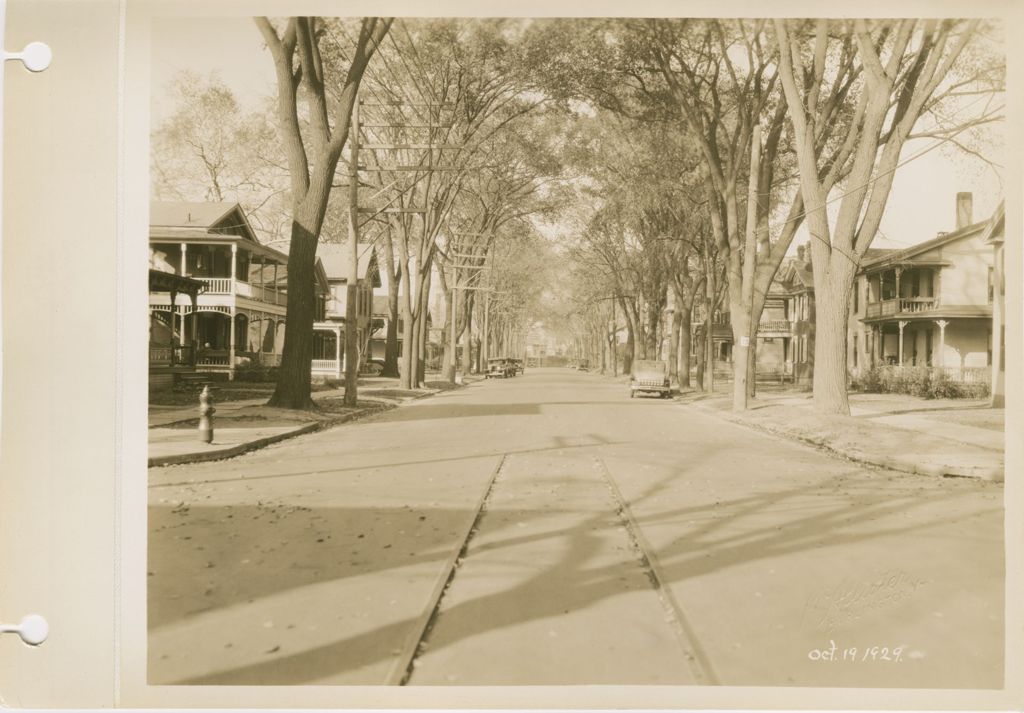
{"type": "Point", "coordinates": [162, 355]}
{"type": "Point", "coordinates": [918, 304]}
{"type": "Point", "coordinates": [325, 365]}
{"type": "Point", "coordinates": [885, 308]}
{"type": "Point", "coordinates": [224, 286]}
{"type": "Point", "coordinates": [774, 325]}
{"type": "Point", "coordinates": [957, 374]}
{"type": "Point", "coordinates": [217, 285]}
{"type": "Point", "coordinates": [211, 357]}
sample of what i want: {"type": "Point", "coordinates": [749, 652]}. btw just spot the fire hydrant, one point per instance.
{"type": "Point", "coordinates": [206, 411]}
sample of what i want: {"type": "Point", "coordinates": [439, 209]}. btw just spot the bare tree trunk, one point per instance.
{"type": "Point", "coordinates": [653, 346]}
{"type": "Point", "coordinates": [627, 357]}
{"type": "Point", "coordinates": [448, 359]}
{"type": "Point", "coordinates": [391, 347]}
{"type": "Point", "coordinates": [424, 329]}
{"type": "Point", "coordinates": [710, 303]}
{"type": "Point", "coordinates": [673, 343]}
{"type": "Point", "coordinates": [702, 357]}
{"type": "Point", "coordinates": [467, 331]}
{"type": "Point", "coordinates": [830, 394]}
{"type": "Point", "coordinates": [684, 347]}
{"type": "Point", "coordinates": [311, 180]}
{"type": "Point", "coordinates": [293, 379]}
{"type": "Point", "coordinates": [742, 294]}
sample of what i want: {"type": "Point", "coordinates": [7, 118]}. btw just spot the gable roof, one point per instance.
{"type": "Point", "coordinates": [892, 257]}
{"type": "Point", "coordinates": [334, 257]}
{"type": "Point", "coordinates": [996, 228]}
{"type": "Point", "coordinates": [200, 218]}
{"type": "Point", "coordinates": [794, 275]}
{"type": "Point", "coordinates": [188, 214]}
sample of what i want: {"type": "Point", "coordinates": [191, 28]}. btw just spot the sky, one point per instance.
{"type": "Point", "coordinates": [922, 202]}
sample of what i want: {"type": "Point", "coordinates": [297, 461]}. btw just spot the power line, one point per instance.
{"type": "Point", "coordinates": [852, 258]}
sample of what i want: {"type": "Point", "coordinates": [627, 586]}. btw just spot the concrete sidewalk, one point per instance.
{"type": "Point", "coordinates": [960, 438]}
{"type": "Point", "coordinates": [246, 425]}
{"type": "Point", "coordinates": [171, 446]}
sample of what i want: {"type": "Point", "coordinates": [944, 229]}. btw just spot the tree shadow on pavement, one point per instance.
{"type": "Point", "coordinates": [712, 536]}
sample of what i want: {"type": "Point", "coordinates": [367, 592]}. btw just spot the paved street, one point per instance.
{"type": "Point", "coordinates": [548, 529]}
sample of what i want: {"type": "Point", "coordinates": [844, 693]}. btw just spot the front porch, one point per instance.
{"type": "Point", "coordinates": [328, 350]}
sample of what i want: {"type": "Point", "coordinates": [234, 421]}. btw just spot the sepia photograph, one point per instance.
{"type": "Point", "coordinates": [581, 351]}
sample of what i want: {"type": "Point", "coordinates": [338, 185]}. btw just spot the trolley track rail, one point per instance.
{"type": "Point", "coordinates": [415, 643]}
{"type": "Point", "coordinates": [401, 670]}
{"type": "Point", "coordinates": [696, 657]}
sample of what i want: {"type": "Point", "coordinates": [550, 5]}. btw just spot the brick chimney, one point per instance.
{"type": "Point", "coordinates": [964, 205]}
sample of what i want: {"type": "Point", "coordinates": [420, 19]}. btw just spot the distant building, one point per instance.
{"type": "Point", "coordinates": [329, 331]}
{"type": "Point", "coordinates": [785, 332]}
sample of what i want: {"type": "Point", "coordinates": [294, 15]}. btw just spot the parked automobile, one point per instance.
{"type": "Point", "coordinates": [499, 368]}
{"type": "Point", "coordinates": [583, 365]}
{"type": "Point", "coordinates": [650, 376]}
{"type": "Point", "coordinates": [518, 366]}
{"type": "Point", "coordinates": [373, 367]}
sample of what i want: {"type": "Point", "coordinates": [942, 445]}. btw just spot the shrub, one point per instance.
{"type": "Point", "coordinates": [925, 382]}
{"type": "Point", "coordinates": [254, 372]}
{"type": "Point", "coordinates": [869, 381]}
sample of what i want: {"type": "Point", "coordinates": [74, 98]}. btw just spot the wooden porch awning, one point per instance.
{"type": "Point", "coordinates": [160, 281]}
{"type": "Point", "coordinates": [905, 264]}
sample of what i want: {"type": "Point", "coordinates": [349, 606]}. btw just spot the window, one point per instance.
{"type": "Point", "coordinates": [991, 286]}
{"type": "Point", "coordinates": [856, 300]}
{"type": "Point", "coordinates": [855, 349]}
{"type": "Point", "coordinates": [989, 362]}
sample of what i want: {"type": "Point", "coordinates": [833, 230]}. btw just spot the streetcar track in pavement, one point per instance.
{"type": "Point", "coordinates": [401, 670]}
{"type": "Point", "coordinates": [696, 657]}
{"type": "Point", "coordinates": [416, 641]}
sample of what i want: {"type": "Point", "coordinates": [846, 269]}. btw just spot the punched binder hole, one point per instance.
{"type": "Point", "coordinates": [36, 56]}
{"type": "Point", "coordinates": [33, 629]}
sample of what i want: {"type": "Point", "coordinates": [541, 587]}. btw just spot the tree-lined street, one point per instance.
{"type": "Point", "coordinates": [619, 541]}
{"type": "Point", "coordinates": [384, 221]}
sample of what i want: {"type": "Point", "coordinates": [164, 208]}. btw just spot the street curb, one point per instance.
{"type": "Point", "coordinates": [239, 449]}
{"type": "Point", "coordinates": [231, 451]}
{"type": "Point", "coordinates": [994, 475]}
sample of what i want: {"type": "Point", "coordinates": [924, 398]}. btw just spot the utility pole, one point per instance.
{"type": "Point", "coordinates": [454, 341]}
{"type": "Point", "coordinates": [615, 342]}
{"type": "Point", "coordinates": [352, 279]}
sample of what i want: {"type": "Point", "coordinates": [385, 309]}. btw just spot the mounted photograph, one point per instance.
{"type": "Point", "coordinates": [504, 351]}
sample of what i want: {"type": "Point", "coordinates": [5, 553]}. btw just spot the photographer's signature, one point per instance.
{"type": "Point", "coordinates": [850, 601]}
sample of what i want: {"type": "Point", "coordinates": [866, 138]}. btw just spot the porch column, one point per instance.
{"type": "Point", "coordinates": [174, 319]}
{"type": "Point", "coordinates": [231, 344]}
{"type": "Point", "coordinates": [234, 265]}
{"type": "Point", "coordinates": [902, 324]}
{"type": "Point", "coordinates": [184, 261]}
{"type": "Point", "coordinates": [337, 352]}
{"type": "Point", "coordinates": [897, 271]}
{"type": "Point", "coordinates": [340, 354]}
{"type": "Point", "coordinates": [276, 301]}
{"type": "Point", "coordinates": [194, 331]}
{"type": "Point", "coordinates": [942, 340]}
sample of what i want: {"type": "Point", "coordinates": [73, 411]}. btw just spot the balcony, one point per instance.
{"type": "Point", "coordinates": [227, 286]}
{"type": "Point", "coordinates": [774, 326]}
{"type": "Point", "coordinates": [903, 305]}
